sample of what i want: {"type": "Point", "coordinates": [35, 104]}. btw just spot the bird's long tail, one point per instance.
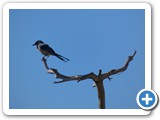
{"type": "Point", "coordinates": [61, 57]}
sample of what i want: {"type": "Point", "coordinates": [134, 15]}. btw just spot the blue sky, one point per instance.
{"type": "Point", "coordinates": [92, 40]}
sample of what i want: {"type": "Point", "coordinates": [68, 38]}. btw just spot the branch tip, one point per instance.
{"type": "Point", "coordinates": [100, 72]}
{"type": "Point", "coordinates": [110, 78]}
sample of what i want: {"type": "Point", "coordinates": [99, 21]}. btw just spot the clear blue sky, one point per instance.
{"type": "Point", "coordinates": [92, 40]}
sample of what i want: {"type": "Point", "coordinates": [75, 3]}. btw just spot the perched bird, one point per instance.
{"type": "Point", "coordinates": [47, 51]}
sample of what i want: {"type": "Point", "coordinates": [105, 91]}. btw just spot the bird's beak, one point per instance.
{"type": "Point", "coordinates": [34, 44]}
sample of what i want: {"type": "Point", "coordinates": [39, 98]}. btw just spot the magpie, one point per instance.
{"type": "Point", "coordinates": [46, 50]}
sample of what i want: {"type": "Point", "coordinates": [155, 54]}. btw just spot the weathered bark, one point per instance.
{"type": "Point", "coordinates": [98, 79]}
{"type": "Point", "coordinates": [101, 94]}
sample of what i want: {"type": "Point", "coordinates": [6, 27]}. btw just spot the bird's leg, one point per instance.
{"type": "Point", "coordinates": [47, 57]}
{"type": "Point", "coordinates": [44, 58]}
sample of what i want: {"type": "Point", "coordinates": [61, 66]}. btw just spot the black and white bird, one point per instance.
{"type": "Point", "coordinates": [46, 50]}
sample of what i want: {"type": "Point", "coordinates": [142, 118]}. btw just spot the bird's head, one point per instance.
{"type": "Point", "coordinates": [37, 42]}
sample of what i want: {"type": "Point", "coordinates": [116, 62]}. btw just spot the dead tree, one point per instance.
{"type": "Point", "coordinates": [98, 79]}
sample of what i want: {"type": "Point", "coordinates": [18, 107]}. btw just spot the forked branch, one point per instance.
{"type": "Point", "coordinates": [98, 79]}
{"type": "Point", "coordinates": [91, 75]}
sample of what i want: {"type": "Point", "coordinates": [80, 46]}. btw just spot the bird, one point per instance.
{"type": "Point", "coordinates": [46, 50]}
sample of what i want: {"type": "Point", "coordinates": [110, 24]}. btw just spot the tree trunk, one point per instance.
{"type": "Point", "coordinates": [101, 94]}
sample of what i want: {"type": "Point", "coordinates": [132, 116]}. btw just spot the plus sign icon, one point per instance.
{"type": "Point", "coordinates": [147, 99]}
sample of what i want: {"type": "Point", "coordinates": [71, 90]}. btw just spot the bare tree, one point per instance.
{"type": "Point", "coordinates": [98, 79]}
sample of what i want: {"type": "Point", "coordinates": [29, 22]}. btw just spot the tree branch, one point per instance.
{"type": "Point", "coordinates": [65, 78]}
{"type": "Point", "coordinates": [91, 75]}
{"type": "Point", "coordinates": [98, 79]}
{"type": "Point", "coordinates": [122, 69]}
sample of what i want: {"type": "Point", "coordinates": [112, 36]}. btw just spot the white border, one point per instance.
{"type": "Point", "coordinates": [8, 6]}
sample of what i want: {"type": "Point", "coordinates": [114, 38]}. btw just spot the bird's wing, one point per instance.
{"type": "Point", "coordinates": [48, 49]}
